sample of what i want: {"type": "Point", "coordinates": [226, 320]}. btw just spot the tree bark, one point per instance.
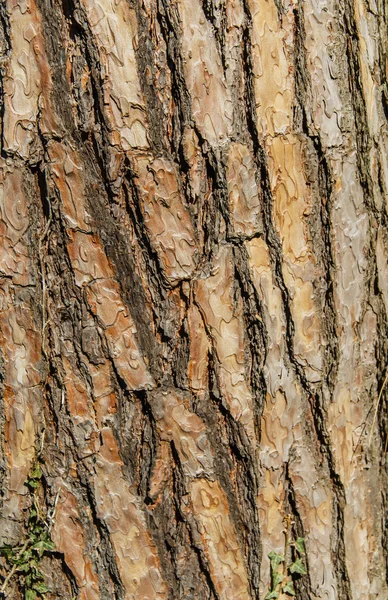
{"type": "Point", "coordinates": [194, 294]}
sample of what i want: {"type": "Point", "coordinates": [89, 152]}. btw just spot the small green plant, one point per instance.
{"type": "Point", "coordinates": [286, 567]}
{"type": "Point", "coordinates": [24, 559]}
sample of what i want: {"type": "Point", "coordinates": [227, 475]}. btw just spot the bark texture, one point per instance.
{"type": "Point", "coordinates": [194, 292]}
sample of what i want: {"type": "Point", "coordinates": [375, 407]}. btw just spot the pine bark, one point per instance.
{"type": "Point", "coordinates": [194, 293]}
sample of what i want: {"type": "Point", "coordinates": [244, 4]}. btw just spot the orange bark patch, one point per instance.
{"type": "Point", "coordinates": [219, 540]}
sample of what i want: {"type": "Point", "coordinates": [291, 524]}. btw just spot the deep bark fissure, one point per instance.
{"type": "Point", "coordinates": [180, 489]}
{"type": "Point", "coordinates": [255, 328]}
{"type": "Point", "coordinates": [302, 585]}
{"type": "Point", "coordinates": [5, 48]}
{"type": "Point", "coordinates": [170, 30]}
{"type": "Point", "coordinates": [105, 548]}
{"type": "Point", "coordinates": [243, 504]}
{"type": "Point", "coordinates": [362, 138]}
{"type": "Point", "coordinates": [145, 54]}
{"type": "Point", "coordinates": [324, 205]}
{"type": "Point", "coordinates": [215, 12]}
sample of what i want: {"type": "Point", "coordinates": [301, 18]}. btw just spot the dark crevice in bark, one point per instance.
{"type": "Point", "coordinates": [53, 34]}
{"type": "Point", "coordinates": [158, 514]}
{"type": "Point", "coordinates": [217, 202]}
{"type": "Point", "coordinates": [97, 542]}
{"type": "Point", "coordinates": [338, 552]}
{"type": "Point", "coordinates": [215, 13]}
{"type": "Point", "coordinates": [270, 235]}
{"type": "Point", "coordinates": [382, 18]}
{"type": "Point", "coordinates": [5, 48]}
{"type": "Point", "coordinates": [363, 139]}
{"type": "Point", "coordinates": [5, 34]}
{"type": "Point", "coordinates": [382, 185]}
{"type": "Point", "coordinates": [233, 452]}
{"type": "Point", "coordinates": [205, 571]}
{"type": "Point", "coordinates": [179, 489]}
{"type": "Point", "coordinates": [157, 283]}
{"type": "Point", "coordinates": [215, 209]}
{"type": "Point", "coordinates": [338, 540]}
{"type": "Point", "coordinates": [322, 239]}
{"type": "Point", "coordinates": [216, 175]}
{"type": "Point", "coordinates": [170, 29]}
{"type": "Point", "coordinates": [280, 8]}
{"type": "Point", "coordinates": [148, 447]}
{"type": "Point", "coordinates": [67, 572]}
{"type": "Point", "coordinates": [53, 406]}
{"type": "Point", "coordinates": [332, 349]}
{"type": "Point", "coordinates": [3, 461]}
{"type": "Point", "coordinates": [98, 145]}
{"type": "Point", "coordinates": [145, 54]}
{"type": "Point", "coordinates": [215, 169]}
{"type": "Point", "coordinates": [302, 585]}
{"type": "Point", "coordinates": [181, 357]}
{"type": "Point", "coordinates": [40, 174]}
{"type": "Point", "coordinates": [159, 521]}
{"type": "Point", "coordinates": [105, 549]}
{"type": "Point", "coordinates": [154, 267]}
{"type": "Point", "coordinates": [380, 449]}
{"type": "Point", "coordinates": [116, 249]}
{"type": "Point", "coordinates": [255, 330]}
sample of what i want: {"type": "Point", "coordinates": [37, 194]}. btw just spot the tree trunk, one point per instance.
{"type": "Point", "coordinates": [194, 297]}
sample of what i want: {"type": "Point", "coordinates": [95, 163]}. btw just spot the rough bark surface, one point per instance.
{"type": "Point", "coordinates": [194, 292]}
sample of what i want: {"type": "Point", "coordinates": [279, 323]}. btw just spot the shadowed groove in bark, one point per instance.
{"type": "Point", "coordinates": [181, 353]}
{"type": "Point", "coordinates": [382, 420]}
{"type": "Point", "coordinates": [302, 585]}
{"type": "Point", "coordinates": [105, 548]}
{"type": "Point", "coordinates": [270, 235]}
{"type": "Point", "coordinates": [215, 12]}
{"type": "Point", "coordinates": [170, 30]}
{"type": "Point", "coordinates": [132, 200]}
{"type": "Point", "coordinates": [232, 453]}
{"type": "Point", "coordinates": [98, 140]}
{"type": "Point", "coordinates": [117, 250]}
{"type": "Point", "coordinates": [3, 460]}
{"type": "Point", "coordinates": [323, 246]}
{"type": "Point", "coordinates": [158, 514]}
{"type": "Point", "coordinates": [5, 48]}
{"type": "Point", "coordinates": [217, 211]}
{"type": "Point", "coordinates": [180, 490]}
{"type": "Point", "coordinates": [255, 329]}
{"type": "Point", "coordinates": [52, 29]}
{"type": "Point", "coordinates": [216, 174]}
{"type": "Point", "coordinates": [144, 54]}
{"type": "Point", "coordinates": [363, 139]}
